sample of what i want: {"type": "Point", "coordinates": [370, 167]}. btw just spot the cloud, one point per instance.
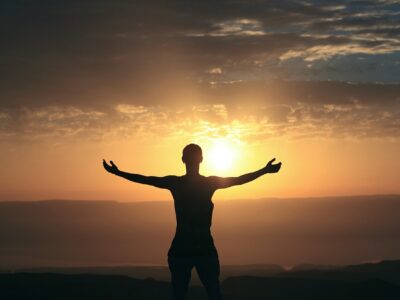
{"type": "Point", "coordinates": [216, 71]}
{"type": "Point", "coordinates": [237, 27]}
{"type": "Point", "coordinates": [49, 122]}
{"type": "Point", "coordinates": [326, 52]}
{"type": "Point", "coordinates": [294, 110]}
{"type": "Point", "coordinates": [75, 52]}
{"type": "Point", "coordinates": [101, 69]}
{"type": "Point", "coordinates": [131, 110]}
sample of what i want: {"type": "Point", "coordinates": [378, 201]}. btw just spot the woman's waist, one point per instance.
{"type": "Point", "coordinates": [193, 229]}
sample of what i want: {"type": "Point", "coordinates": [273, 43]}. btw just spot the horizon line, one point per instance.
{"type": "Point", "coordinates": [232, 199]}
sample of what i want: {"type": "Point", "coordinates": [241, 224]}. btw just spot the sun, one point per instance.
{"type": "Point", "coordinates": [221, 155]}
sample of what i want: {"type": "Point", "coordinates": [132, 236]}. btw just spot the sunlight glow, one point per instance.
{"type": "Point", "coordinates": [222, 155]}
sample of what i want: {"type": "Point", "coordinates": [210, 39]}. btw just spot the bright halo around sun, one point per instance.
{"type": "Point", "coordinates": [222, 155]}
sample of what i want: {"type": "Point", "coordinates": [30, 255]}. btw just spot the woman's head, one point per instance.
{"type": "Point", "coordinates": [191, 154]}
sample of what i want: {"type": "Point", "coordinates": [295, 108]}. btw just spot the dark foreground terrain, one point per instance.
{"type": "Point", "coordinates": [366, 281]}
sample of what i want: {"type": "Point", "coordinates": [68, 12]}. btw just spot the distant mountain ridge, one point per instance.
{"type": "Point", "coordinates": [388, 271]}
{"type": "Point", "coordinates": [158, 272]}
{"type": "Point", "coordinates": [319, 231]}
{"type": "Point", "coordinates": [385, 270]}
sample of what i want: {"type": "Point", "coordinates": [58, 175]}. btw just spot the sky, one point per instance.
{"type": "Point", "coordinates": [315, 84]}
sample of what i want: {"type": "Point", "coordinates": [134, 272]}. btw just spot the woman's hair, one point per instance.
{"type": "Point", "coordinates": [192, 153]}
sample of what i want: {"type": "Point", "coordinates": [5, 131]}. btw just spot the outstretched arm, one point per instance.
{"type": "Point", "coordinates": [224, 182]}
{"type": "Point", "coordinates": [160, 182]}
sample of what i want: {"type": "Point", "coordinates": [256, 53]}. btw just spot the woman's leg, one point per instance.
{"type": "Point", "coordinates": [208, 269]}
{"type": "Point", "coordinates": [181, 269]}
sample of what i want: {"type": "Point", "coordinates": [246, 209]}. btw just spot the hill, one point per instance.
{"type": "Point", "coordinates": [158, 272]}
{"type": "Point", "coordinates": [319, 231]}
{"type": "Point", "coordinates": [44, 286]}
{"type": "Point", "coordinates": [388, 271]}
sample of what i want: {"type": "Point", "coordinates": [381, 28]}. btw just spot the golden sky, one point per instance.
{"type": "Point", "coordinates": [59, 167]}
{"type": "Point", "coordinates": [316, 86]}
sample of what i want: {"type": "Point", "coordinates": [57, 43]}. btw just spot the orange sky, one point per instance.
{"type": "Point", "coordinates": [316, 86]}
{"type": "Point", "coordinates": [67, 169]}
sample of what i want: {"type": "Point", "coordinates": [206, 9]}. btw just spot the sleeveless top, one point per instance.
{"type": "Point", "coordinates": [193, 210]}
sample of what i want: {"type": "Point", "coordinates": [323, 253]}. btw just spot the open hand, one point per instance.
{"type": "Point", "coordinates": [112, 168]}
{"type": "Point", "coordinates": [273, 168]}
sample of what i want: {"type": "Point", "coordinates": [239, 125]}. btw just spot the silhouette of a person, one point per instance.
{"type": "Point", "coordinates": [193, 245]}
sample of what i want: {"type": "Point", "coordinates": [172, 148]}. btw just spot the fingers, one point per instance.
{"type": "Point", "coordinates": [112, 163]}
{"type": "Point", "coordinates": [106, 166]}
{"type": "Point", "coordinates": [271, 161]}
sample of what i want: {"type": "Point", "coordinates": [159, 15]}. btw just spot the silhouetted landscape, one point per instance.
{"type": "Point", "coordinates": [365, 281]}
{"type": "Point", "coordinates": [324, 231]}
{"type": "Point", "coordinates": [109, 250]}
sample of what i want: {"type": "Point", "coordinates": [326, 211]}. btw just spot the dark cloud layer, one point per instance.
{"type": "Point", "coordinates": [84, 58]}
{"type": "Point", "coordinates": [66, 46]}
